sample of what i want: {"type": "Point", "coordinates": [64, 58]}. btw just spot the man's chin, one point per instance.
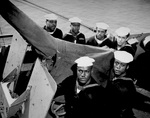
{"type": "Point", "coordinates": [117, 73]}
{"type": "Point", "coordinates": [52, 29]}
{"type": "Point", "coordinates": [82, 83]}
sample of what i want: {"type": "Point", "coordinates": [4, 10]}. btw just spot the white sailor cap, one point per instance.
{"type": "Point", "coordinates": [50, 17]}
{"type": "Point", "coordinates": [146, 40]}
{"type": "Point", "coordinates": [102, 26]}
{"type": "Point", "coordinates": [122, 31]}
{"type": "Point", "coordinates": [123, 56]}
{"type": "Point", "coordinates": [84, 61]}
{"type": "Point", "coordinates": [75, 20]}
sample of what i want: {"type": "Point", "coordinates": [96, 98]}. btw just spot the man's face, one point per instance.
{"type": "Point", "coordinates": [51, 24]}
{"type": "Point", "coordinates": [75, 27]}
{"type": "Point", "coordinates": [119, 67]}
{"type": "Point", "coordinates": [83, 74]}
{"type": "Point", "coordinates": [121, 40]}
{"type": "Point", "coordinates": [100, 33]}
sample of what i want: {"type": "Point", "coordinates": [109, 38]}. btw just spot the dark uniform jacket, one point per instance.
{"type": "Point", "coordinates": [129, 48]}
{"type": "Point", "coordinates": [57, 33]}
{"type": "Point", "coordinates": [108, 41]}
{"type": "Point", "coordinates": [79, 38]}
{"type": "Point", "coordinates": [121, 93]}
{"type": "Point", "coordinates": [142, 70]}
{"type": "Point", "coordinates": [142, 67]}
{"type": "Point", "coordinates": [88, 103]}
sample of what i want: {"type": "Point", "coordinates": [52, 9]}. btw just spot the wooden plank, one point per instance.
{"type": "Point", "coordinates": [43, 88]}
{"type": "Point", "coordinates": [26, 67]}
{"type": "Point", "coordinates": [15, 55]}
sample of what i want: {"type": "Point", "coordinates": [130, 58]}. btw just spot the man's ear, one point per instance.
{"type": "Point", "coordinates": [46, 21]}
{"type": "Point", "coordinates": [70, 26]}
{"type": "Point", "coordinates": [127, 67]}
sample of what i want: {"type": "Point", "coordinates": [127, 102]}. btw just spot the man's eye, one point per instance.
{"type": "Point", "coordinates": [116, 63]}
{"type": "Point", "coordinates": [80, 71]}
{"type": "Point", "coordinates": [87, 71]}
{"type": "Point", "coordinates": [122, 65]}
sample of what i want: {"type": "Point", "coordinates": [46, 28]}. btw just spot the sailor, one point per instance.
{"type": "Point", "coordinates": [51, 26]}
{"type": "Point", "coordinates": [122, 37]}
{"type": "Point", "coordinates": [142, 65]}
{"type": "Point", "coordinates": [81, 92]}
{"type": "Point", "coordinates": [102, 37]}
{"type": "Point", "coordinates": [74, 35]}
{"type": "Point", "coordinates": [121, 87]}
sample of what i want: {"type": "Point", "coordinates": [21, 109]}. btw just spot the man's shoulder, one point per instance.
{"type": "Point", "coordinates": [44, 27]}
{"type": "Point", "coordinates": [68, 81]}
{"type": "Point", "coordinates": [58, 30]}
{"type": "Point", "coordinates": [125, 81]}
{"type": "Point", "coordinates": [81, 34]}
{"type": "Point", "coordinates": [110, 38]}
{"type": "Point", "coordinates": [66, 34]}
{"type": "Point", "coordinates": [70, 78]}
{"type": "Point", "coordinates": [89, 39]}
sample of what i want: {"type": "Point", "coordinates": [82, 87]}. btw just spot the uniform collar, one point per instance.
{"type": "Point", "coordinates": [123, 77]}
{"type": "Point", "coordinates": [89, 84]}
{"type": "Point", "coordinates": [73, 34]}
{"type": "Point", "coordinates": [100, 41]}
{"type": "Point", "coordinates": [119, 47]}
{"type": "Point", "coordinates": [49, 31]}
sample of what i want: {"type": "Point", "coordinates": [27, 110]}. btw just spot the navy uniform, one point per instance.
{"type": "Point", "coordinates": [142, 65]}
{"type": "Point", "coordinates": [51, 26]}
{"type": "Point", "coordinates": [74, 35]}
{"type": "Point", "coordinates": [121, 88]}
{"type": "Point", "coordinates": [102, 38]}
{"type": "Point", "coordinates": [123, 41]}
{"type": "Point", "coordinates": [82, 101]}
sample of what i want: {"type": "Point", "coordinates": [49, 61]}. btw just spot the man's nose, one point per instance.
{"type": "Point", "coordinates": [83, 74]}
{"type": "Point", "coordinates": [118, 66]}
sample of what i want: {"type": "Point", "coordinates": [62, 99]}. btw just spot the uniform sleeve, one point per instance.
{"type": "Point", "coordinates": [84, 38]}
{"type": "Point", "coordinates": [63, 87]}
{"type": "Point", "coordinates": [65, 37]}
{"type": "Point", "coordinates": [60, 34]}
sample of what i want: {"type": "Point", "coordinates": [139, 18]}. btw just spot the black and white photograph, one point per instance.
{"type": "Point", "coordinates": [74, 59]}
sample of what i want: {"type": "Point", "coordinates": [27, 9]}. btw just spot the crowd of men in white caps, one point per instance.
{"type": "Point", "coordinates": [100, 39]}
{"type": "Point", "coordinates": [83, 96]}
